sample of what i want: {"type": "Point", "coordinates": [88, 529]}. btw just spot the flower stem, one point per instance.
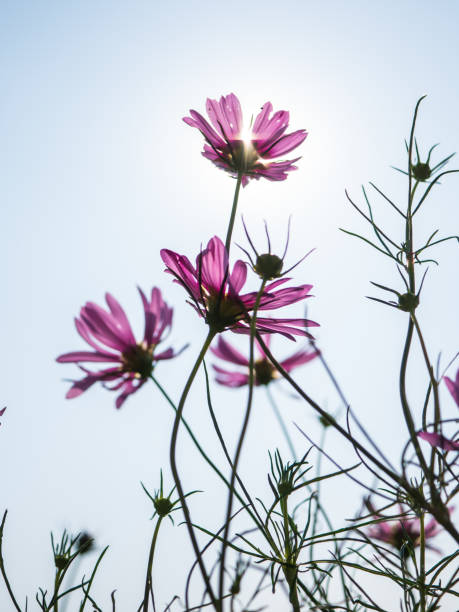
{"type": "Point", "coordinates": [437, 512]}
{"type": "Point", "coordinates": [229, 233]}
{"type": "Point", "coordinates": [2, 566]}
{"type": "Point", "coordinates": [280, 420]}
{"type": "Point", "coordinates": [148, 581]}
{"type": "Point", "coordinates": [237, 455]}
{"type": "Point", "coordinates": [422, 563]}
{"type": "Point", "coordinates": [184, 506]}
{"type": "Point", "coordinates": [290, 570]}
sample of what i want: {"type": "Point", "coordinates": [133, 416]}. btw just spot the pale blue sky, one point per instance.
{"type": "Point", "coordinates": [99, 173]}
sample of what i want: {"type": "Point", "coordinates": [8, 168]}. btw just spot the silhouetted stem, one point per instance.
{"type": "Point", "coordinates": [184, 506]}
{"type": "Point", "coordinates": [233, 213]}
{"type": "Point", "coordinates": [148, 581]}
{"type": "Point", "coordinates": [240, 441]}
{"type": "Point", "coordinates": [2, 565]}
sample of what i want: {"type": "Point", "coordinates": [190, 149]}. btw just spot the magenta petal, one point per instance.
{"type": "Point", "coordinates": [213, 264]}
{"type": "Point", "coordinates": [129, 389]}
{"type": "Point", "coordinates": [285, 144]}
{"type": "Point", "coordinates": [230, 379]}
{"type": "Point", "coordinates": [80, 386]}
{"type": "Point", "coordinates": [238, 276]}
{"type": "Point", "coordinates": [297, 359]}
{"type": "Point", "coordinates": [120, 317]}
{"type": "Point", "coordinates": [453, 387]}
{"type": "Point", "coordinates": [78, 356]}
{"type": "Point", "coordinates": [225, 351]}
{"type": "Point", "coordinates": [437, 440]}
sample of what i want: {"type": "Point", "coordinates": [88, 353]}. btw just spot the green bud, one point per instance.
{"type": "Point", "coordinates": [268, 266]}
{"type": "Point", "coordinates": [408, 302]}
{"type": "Point", "coordinates": [325, 421]}
{"type": "Point", "coordinates": [284, 487]}
{"type": "Point", "coordinates": [421, 171]}
{"type": "Point", "coordinates": [163, 506]}
{"type": "Point", "coordinates": [60, 561]}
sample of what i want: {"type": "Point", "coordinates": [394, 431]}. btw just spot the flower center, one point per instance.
{"type": "Point", "coordinates": [264, 372]}
{"type": "Point", "coordinates": [138, 359]}
{"type": "Point", "coordinates": [242, 155]}
{"type": "Point", "coordinates": [222, 312]}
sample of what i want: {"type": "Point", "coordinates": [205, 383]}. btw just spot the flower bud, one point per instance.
{"type": "Point", "coordinates": [421, 171]}
{"type": "Point", "coordinates": [408, 301]}
{"type": "Point", "coordinates": [60, 561]}
{"type": "Point", "coordinates": [268, 266]}
{"type": "Point", "coordinates": [285, 487]}
{"type": "Point", "coordinates": [163, 506]}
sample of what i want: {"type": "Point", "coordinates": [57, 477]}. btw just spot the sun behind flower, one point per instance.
{"type": "Point", "coordinates": [247, 152]}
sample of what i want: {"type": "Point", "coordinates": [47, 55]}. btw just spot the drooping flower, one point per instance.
{"type": "Point", "coordinates": [250, 153]}
{"type": "Point", "coordinates": [439, 441]}
{"type": "Point", "coordinates": [453, 386]}
{"type": "Point", "coordinates": [404, 532]}
{"type": "Point", "coordinates": [263, 369]}
{"type": "Point", "coordinates": [110, 334]}
{"type": "Point", "coordinates": [215, 293]}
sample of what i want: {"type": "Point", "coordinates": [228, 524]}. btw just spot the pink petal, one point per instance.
{"type": "Point", "coordinates": [78, 356]}
{"type": "Point", "coordinates": [120, 317]}
{"type": "Point", "coordinates": [453, 387]}
{"type": "Point", "coordinates": [297, 359]}
{"type": "Point", "coordinates": [224, 350]}
{"type": "Point", "coordinates": [285, 144]}
{"type": "Point", "coordinates": [437, 440]}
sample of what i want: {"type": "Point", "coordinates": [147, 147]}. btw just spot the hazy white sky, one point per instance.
{"type": "Point", "coordinates": [99, 173]}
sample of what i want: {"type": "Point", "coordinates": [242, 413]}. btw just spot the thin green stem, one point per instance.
{"type": "Point", "coordinates": [229, 233]}
{"type": "Point", "coordinates": [148, 581]}
{"type": "Point", "coordinates": [280, 420]}
{"type": "Point", "coordinates": [404, 400]}
{"type": "Point", "coordinates": [191, 434]}
{"type": "Point", "coordinates": [2, 565]}
{"type": "Point", "coordinates": [252, 509]}
{"type": "Point", "coordinates": [184, 505]}
{"type": "Point", "coordinates": [57, 583]}
{"type": "Point", "coordinates": [430, 370]}
{"type": "Point", "coordinates": [437, 513]}
{"type": "Point", "coordinates": [289, 568]}
{"type": "Point", "coordinates": [240, 441]}
{"type": "Point", "coordinates": [422, 563]}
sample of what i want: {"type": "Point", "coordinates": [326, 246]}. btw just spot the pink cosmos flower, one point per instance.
{"type": "Point", "coordinates": [453, 386]}
{"type": "Point", "coordinates": [264, 371]}
{"type": "Point", "coordinates": [215, 293]}
{"type": "Point", "coordinates": [229, 149]}
{"type": "Point", "coordinates": [398, 532]}
{"type": "Point", "coordinates": [438, 440]}
{"type": "Point", "coordinates": [109, 333]}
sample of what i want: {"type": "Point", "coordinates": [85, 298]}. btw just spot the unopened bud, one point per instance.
{"type": "Point", "coordinates": [421, 171]}
{"type": "Point", "coordinates": [408, 301]}
{"type": "Point", "coordinates": [268, 266]}
{"type": "Point", "coordinates": [163, 506]}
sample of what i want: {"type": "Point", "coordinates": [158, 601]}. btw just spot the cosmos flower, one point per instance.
{"type": "Point", "coordinates": [109, 333]}
{"type": "Point", "coordinates": [264, 371]}
{"type": "Point", "coordinates": [439, 441]}
{"type": "Point", "coordinates": [453, 386]}
{"type": "Point", "coordinates": [232, 149]}
{"type": "Point", "coordinates": [215, 293]}
{"type": "Point", "coordinates": [400, 532]}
